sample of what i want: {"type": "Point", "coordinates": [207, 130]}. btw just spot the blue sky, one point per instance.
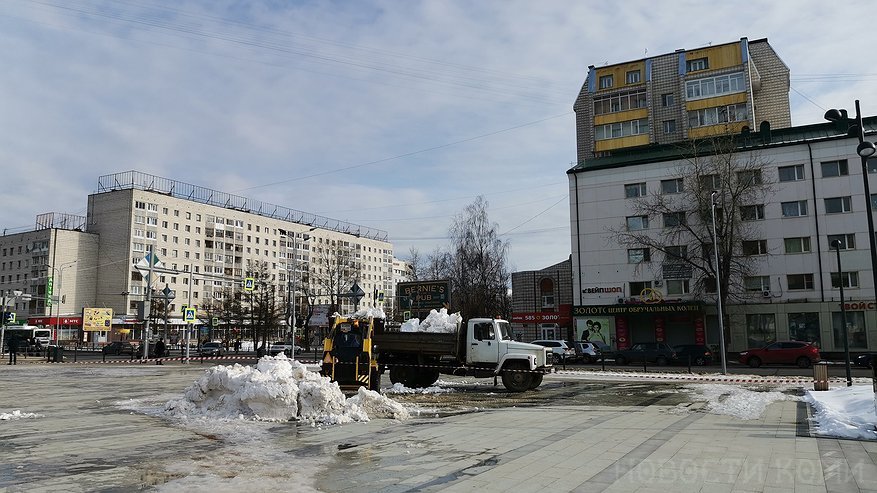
{"type": "Point", "coordinates": [390, 114]}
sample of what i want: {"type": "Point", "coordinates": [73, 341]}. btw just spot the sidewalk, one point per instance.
{"type": "Point", "coordinates": [87, 441]}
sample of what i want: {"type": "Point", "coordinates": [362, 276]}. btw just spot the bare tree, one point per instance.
{"type": "Point", "coordinates": [683, 240]}
{"type": "Point", "coordinates": [336, 268]}
{"type": "Point", "coordinates": [439, 265]}
{"type": "Point", "coordinates": [478, 265]}
{"type": "Point", "coordinates": [416, 261]}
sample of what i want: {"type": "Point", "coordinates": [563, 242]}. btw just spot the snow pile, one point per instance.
{"type": "Point", "coordinates": [367, 313]}
{"type": "Point", "coordinates": [17, 414]}
{"type": "Point", "coordinates": [398, 388]}
{"type": "Point", "coordinates": [737, 401]}
{"type": "Point", "coordinates": [277, 389]}
{"type": "Point", "coordinates": [846, 412]}
{"type": "Point", "coordinates": [436, 321]}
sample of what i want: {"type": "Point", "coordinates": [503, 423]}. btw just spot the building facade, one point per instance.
{"type": "Point", "coordinates": [813, 194]}
{"type": "Point", "coordinates": [542, 303]}
{"type": "Point", "coordinates": [682, 95]}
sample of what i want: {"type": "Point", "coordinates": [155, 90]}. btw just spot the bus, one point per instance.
{"type": "Point", "coordinates": [28, 332]}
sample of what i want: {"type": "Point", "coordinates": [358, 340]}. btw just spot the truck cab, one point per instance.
{"type": "Point", "coordinates": [491, 348]}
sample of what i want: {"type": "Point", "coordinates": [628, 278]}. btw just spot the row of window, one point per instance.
{"type": "Point", "coordinates": [708, 87]}
{"type": "Point", "coordinates": [717, 115]}
{"type": "Point", "coordinates": [630, 77]}
{"type": "Point", "coordinates": [761, 328]}
{"type": "Point", "coordinates": [622, 129]}
{"type": "Point", "coordinates": [620, 102]}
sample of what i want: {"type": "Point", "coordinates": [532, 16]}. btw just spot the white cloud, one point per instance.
{"type": "Point", "coordinates": [232, 96]}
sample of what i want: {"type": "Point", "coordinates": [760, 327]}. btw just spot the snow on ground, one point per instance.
{"type": "Point", "coordinates": [436, 321]}
{"type": "Point", "coordinates": [735, 400]}
{"type": "Point", "coordinates": [17, 414]}
{"type": "Point", "coordinates": [398, 388]}
{"type": "Point", "coordinates": [845, 412]}
{"type": "Point", "coordinates": [691, 377]}
{"type": "Point", "coordinates": [278, 389]}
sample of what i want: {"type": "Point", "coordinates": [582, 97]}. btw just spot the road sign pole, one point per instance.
{"type": "Point", "coordinates": [147, 310]}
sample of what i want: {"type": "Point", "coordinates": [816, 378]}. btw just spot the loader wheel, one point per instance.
{"type": "Point", "coordinates": [374, 382]}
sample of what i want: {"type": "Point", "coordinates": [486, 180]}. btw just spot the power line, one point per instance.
{"type": "Point", "coordinates": [537, 215]}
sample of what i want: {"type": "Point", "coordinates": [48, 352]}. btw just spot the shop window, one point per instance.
{"type": "Point", "coordinates": [761, 329]}
{"type": "Point", "coordinates": [804, 326]}
{"type": "Point", "coordinates": [856, 334]}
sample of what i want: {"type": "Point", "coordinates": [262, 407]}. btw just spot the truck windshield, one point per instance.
{"type": "Point", "coordinates": [505, 332]}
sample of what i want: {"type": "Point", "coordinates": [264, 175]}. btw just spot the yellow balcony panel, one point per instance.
{"type": "Point", "coordinates": [720, 129]}
{"type": "Point", "coordinates": [699, 104]}
{"type": "Point", "coordinates": [619, 74]}
{"type": "Point", "coordinates": [621, 142]}
{"type": "Point", "coordinates": [722, 56]}
{"type": "Point", "coordinates": [621, 116]}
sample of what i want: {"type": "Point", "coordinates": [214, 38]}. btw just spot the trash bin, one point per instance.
{"type": "Point", "coordinates": [820, 376]}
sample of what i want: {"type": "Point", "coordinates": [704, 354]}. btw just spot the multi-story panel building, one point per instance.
{"type": "Point", "coordinates": [815, 196]}
{"type": "Point", "coordinates": [217, 239]}
{"type": "Point", "coordinates": [686, 94]}
{"type": "Point", "coordinates": [542, 303]}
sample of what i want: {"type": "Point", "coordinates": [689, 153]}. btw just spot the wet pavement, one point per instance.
{"type": "Point", "coordinates": [101, 430]}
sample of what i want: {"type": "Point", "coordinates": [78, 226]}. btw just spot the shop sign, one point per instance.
{"type": "Point", "coordinates": [54, 321]}
{"type": "Point", "coordinates": [561, 319]}
{"type": "Point", "coordinates": [613, 290]}
{"type": "Point", "coordinates": [860, 305]}
{"type": "Point", "coordinates": [589, 310]}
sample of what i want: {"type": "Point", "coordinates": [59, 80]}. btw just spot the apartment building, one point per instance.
{"type": "Point", "coordinates": [687, 94]}
{"type": "Point", "coordinates": [815, 196]}
{"type": "Point", "coordinates": [542, 303]}
{"type": "Point", "coordinates": [208, 242]}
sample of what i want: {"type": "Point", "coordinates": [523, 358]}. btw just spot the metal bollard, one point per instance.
{"type": "Point", "coordinates": [689, 363]}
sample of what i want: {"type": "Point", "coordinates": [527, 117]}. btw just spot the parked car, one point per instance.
{"type": "Point", "coordinates": [696, 354]}
{"type": "Point", "coordinates": [864, 360]}
{"type": "Point", "coordinates": [212, 349]}
{"type": "Point", "coordinates": [118, 347]}
{"type": "Point", "coordinates": [658, 353]}
{"type": "Point", "coordinates": [798, 353]}
{"type": "Point", "coordinates": [283, 347]}
{"type": "Point", "coordinates": [587, 352]}
{"type": "Point", "coordinates": [560, 348]}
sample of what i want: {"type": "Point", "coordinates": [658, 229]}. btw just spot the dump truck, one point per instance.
{"type": "Point", "coordinates": [358, 351]}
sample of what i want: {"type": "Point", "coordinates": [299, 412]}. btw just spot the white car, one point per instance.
{"type": "Point", "coordinates": [283, 347]}
{"type": "Point", "coordinates": [560, 349]}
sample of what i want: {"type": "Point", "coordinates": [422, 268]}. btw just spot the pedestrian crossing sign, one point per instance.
{"type": "Point", "coordinates": [189, 316]}
{"type": "Point", "coordinates": [249, 283]}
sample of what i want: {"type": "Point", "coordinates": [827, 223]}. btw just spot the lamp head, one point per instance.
{"type": "Point", "coordinates": [835, 244]}
{"type": "Point", "coordinates": [834, 115]}
{"type": "Point", "coordinates": [18, 293]}
{"type": "Point", "coordinates": [866, 149]}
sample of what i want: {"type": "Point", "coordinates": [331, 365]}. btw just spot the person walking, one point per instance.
{"type": "Point", "coordinates": [159, 351]}
{"type": "Point", "coordinates": [237, 346]}
{"type": "Point", "coordinates": [13, 349]}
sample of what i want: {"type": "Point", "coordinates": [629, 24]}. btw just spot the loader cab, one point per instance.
{"type": "Point", "coordinates": [347, 354]}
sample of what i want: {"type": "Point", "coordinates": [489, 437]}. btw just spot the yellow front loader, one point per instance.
{"type": "Point", "coordinates": [347, 354]}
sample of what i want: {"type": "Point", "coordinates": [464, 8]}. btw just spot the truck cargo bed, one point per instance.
{"type": "Point", "coordinates": [422, 343]}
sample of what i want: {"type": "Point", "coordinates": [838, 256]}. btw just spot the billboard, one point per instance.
{"type": "Point", "coordinates": [424, 295]}
{"type": "Point", "coordinates": [320, 316]}
{"type": "Point", "coordinates": [97, 319]}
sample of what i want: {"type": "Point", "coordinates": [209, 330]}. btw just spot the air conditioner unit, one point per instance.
{"type": "Point", "coordinates": [766, 294]}
{"type": "Point", "coordinates": [659, 283]}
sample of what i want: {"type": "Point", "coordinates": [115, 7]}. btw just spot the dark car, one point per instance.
{"type": "Point", "coordinates": [658, 353]}
{"type": "Point", "coordinates": [696, 354]}
{"type": "Point", "coordinates": [211, 349]}
{"type": "Point", "coordinates": [118, 347]}
{"type": "Point", "coordinates": [798, 353]}
{"type": "Point", "coordinates": [864, 360]}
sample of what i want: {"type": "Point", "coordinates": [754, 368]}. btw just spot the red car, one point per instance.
{"type": "Point", "coordinates": [798, 353]}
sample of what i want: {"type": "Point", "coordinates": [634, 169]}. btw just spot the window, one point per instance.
{"type": "Point", "coordinates": [847, 242]}
{"type": "Point", "coordinates": [797, 245]}
{"type": "Point", "coordinates": [835, 168]}
{"type": "Point", "coordinates": [708, 87]}
{"type": "Point", "coordinates": [717, 115]}
{"type": "Point", "coordinates": [756, 283]}
{"type": "Point", "coordinates": [761, 329]}
{"type": "Point", "coordinates": [632, 190]}
{"type": "Point", "coordinates": [674, 219]}
{"type": "Point", "coordinates": [636, 288]}
{"type": "Point", "coordinates": [140, 205]}
{"type": "Point", "coordinates": [791, 173]}
{"type": "Point", "coordinates": [838, 205]}
{"type": "Point", "coordinates": [667, 99]}
{"type": "Point", "coordinates": [794, 209]}
{"type": "Point", "coordinates": [637, 255]}
{"type": "Point", "coordinates": [856, 333]}
{"type": "Point", "coordinates": [804, 326]}
{"type": "Point", "coordinates": [622, 129]}
{"type": "Point", "coordinates": [800, 281]}
{"type": "Point", "coordinates": [605, 82]}
{"type": "Point", "coordinates": [711, 182]}
{"type": "Point", "coordinates": [697, 64]}
{"type": "Point", "coordinates": [675, 254]}
{"type": "Point", "coordinates": [632, 77]}
{"type": "Point", "coordinates": [677, 286]}
{"type": "Point", "coordinates": [635, 223]}
{"type": "Point", "coordinates": [671, 186]}
{"type": "Point", "coordinates": [669, 126]}
{"type": "Point", "coordinates": [749, 177]}
{"type": "Point", "coordinates": [849, 279]}
{"type": "Point", "coordinates": [620, 102]}
{"type": "Point", "coordinates": [754, 247]}
{"type": "Point", "coordinates": [752, 212]}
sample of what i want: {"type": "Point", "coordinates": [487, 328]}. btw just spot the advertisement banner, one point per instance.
{"type": "Point", "coordinates": [622, 336]}
{"type": "Point", "coordinates": [699, 333]}
{"type": "Point", "coordinates": [595, 329]}
{"type": "Point", "coordinates": [97, 319]}
{"type": "Point", "coordinates": [659, 329]}
{"type": "Point", "coordinates": [320, 316]}
{"type": "Point", "coordinates": [424, 295]}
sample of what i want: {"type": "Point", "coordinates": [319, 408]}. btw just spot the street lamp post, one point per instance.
{"type": "Point", "coordinates": [865, 150]}
{"type": "Point", "coordinates": [713, 197]}
{"type": "Point", "coordinates": [5, 299]}
{"type": "Point", "coordinates": [293, 287]}
{"type": "Point", "coordinates": [843, 312]}
{"type": "Point", "coordinates": [58, 311]}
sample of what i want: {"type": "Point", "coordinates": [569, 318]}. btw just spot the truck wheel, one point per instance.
{"type": "Point", "coordinates": [400, 374]}
{"type": "Point", "coordinates": [537, 380]}
{"type": "Point", "coordinates": [427, 378]}
{"type": "Point", "coordinates": [517, 379]}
